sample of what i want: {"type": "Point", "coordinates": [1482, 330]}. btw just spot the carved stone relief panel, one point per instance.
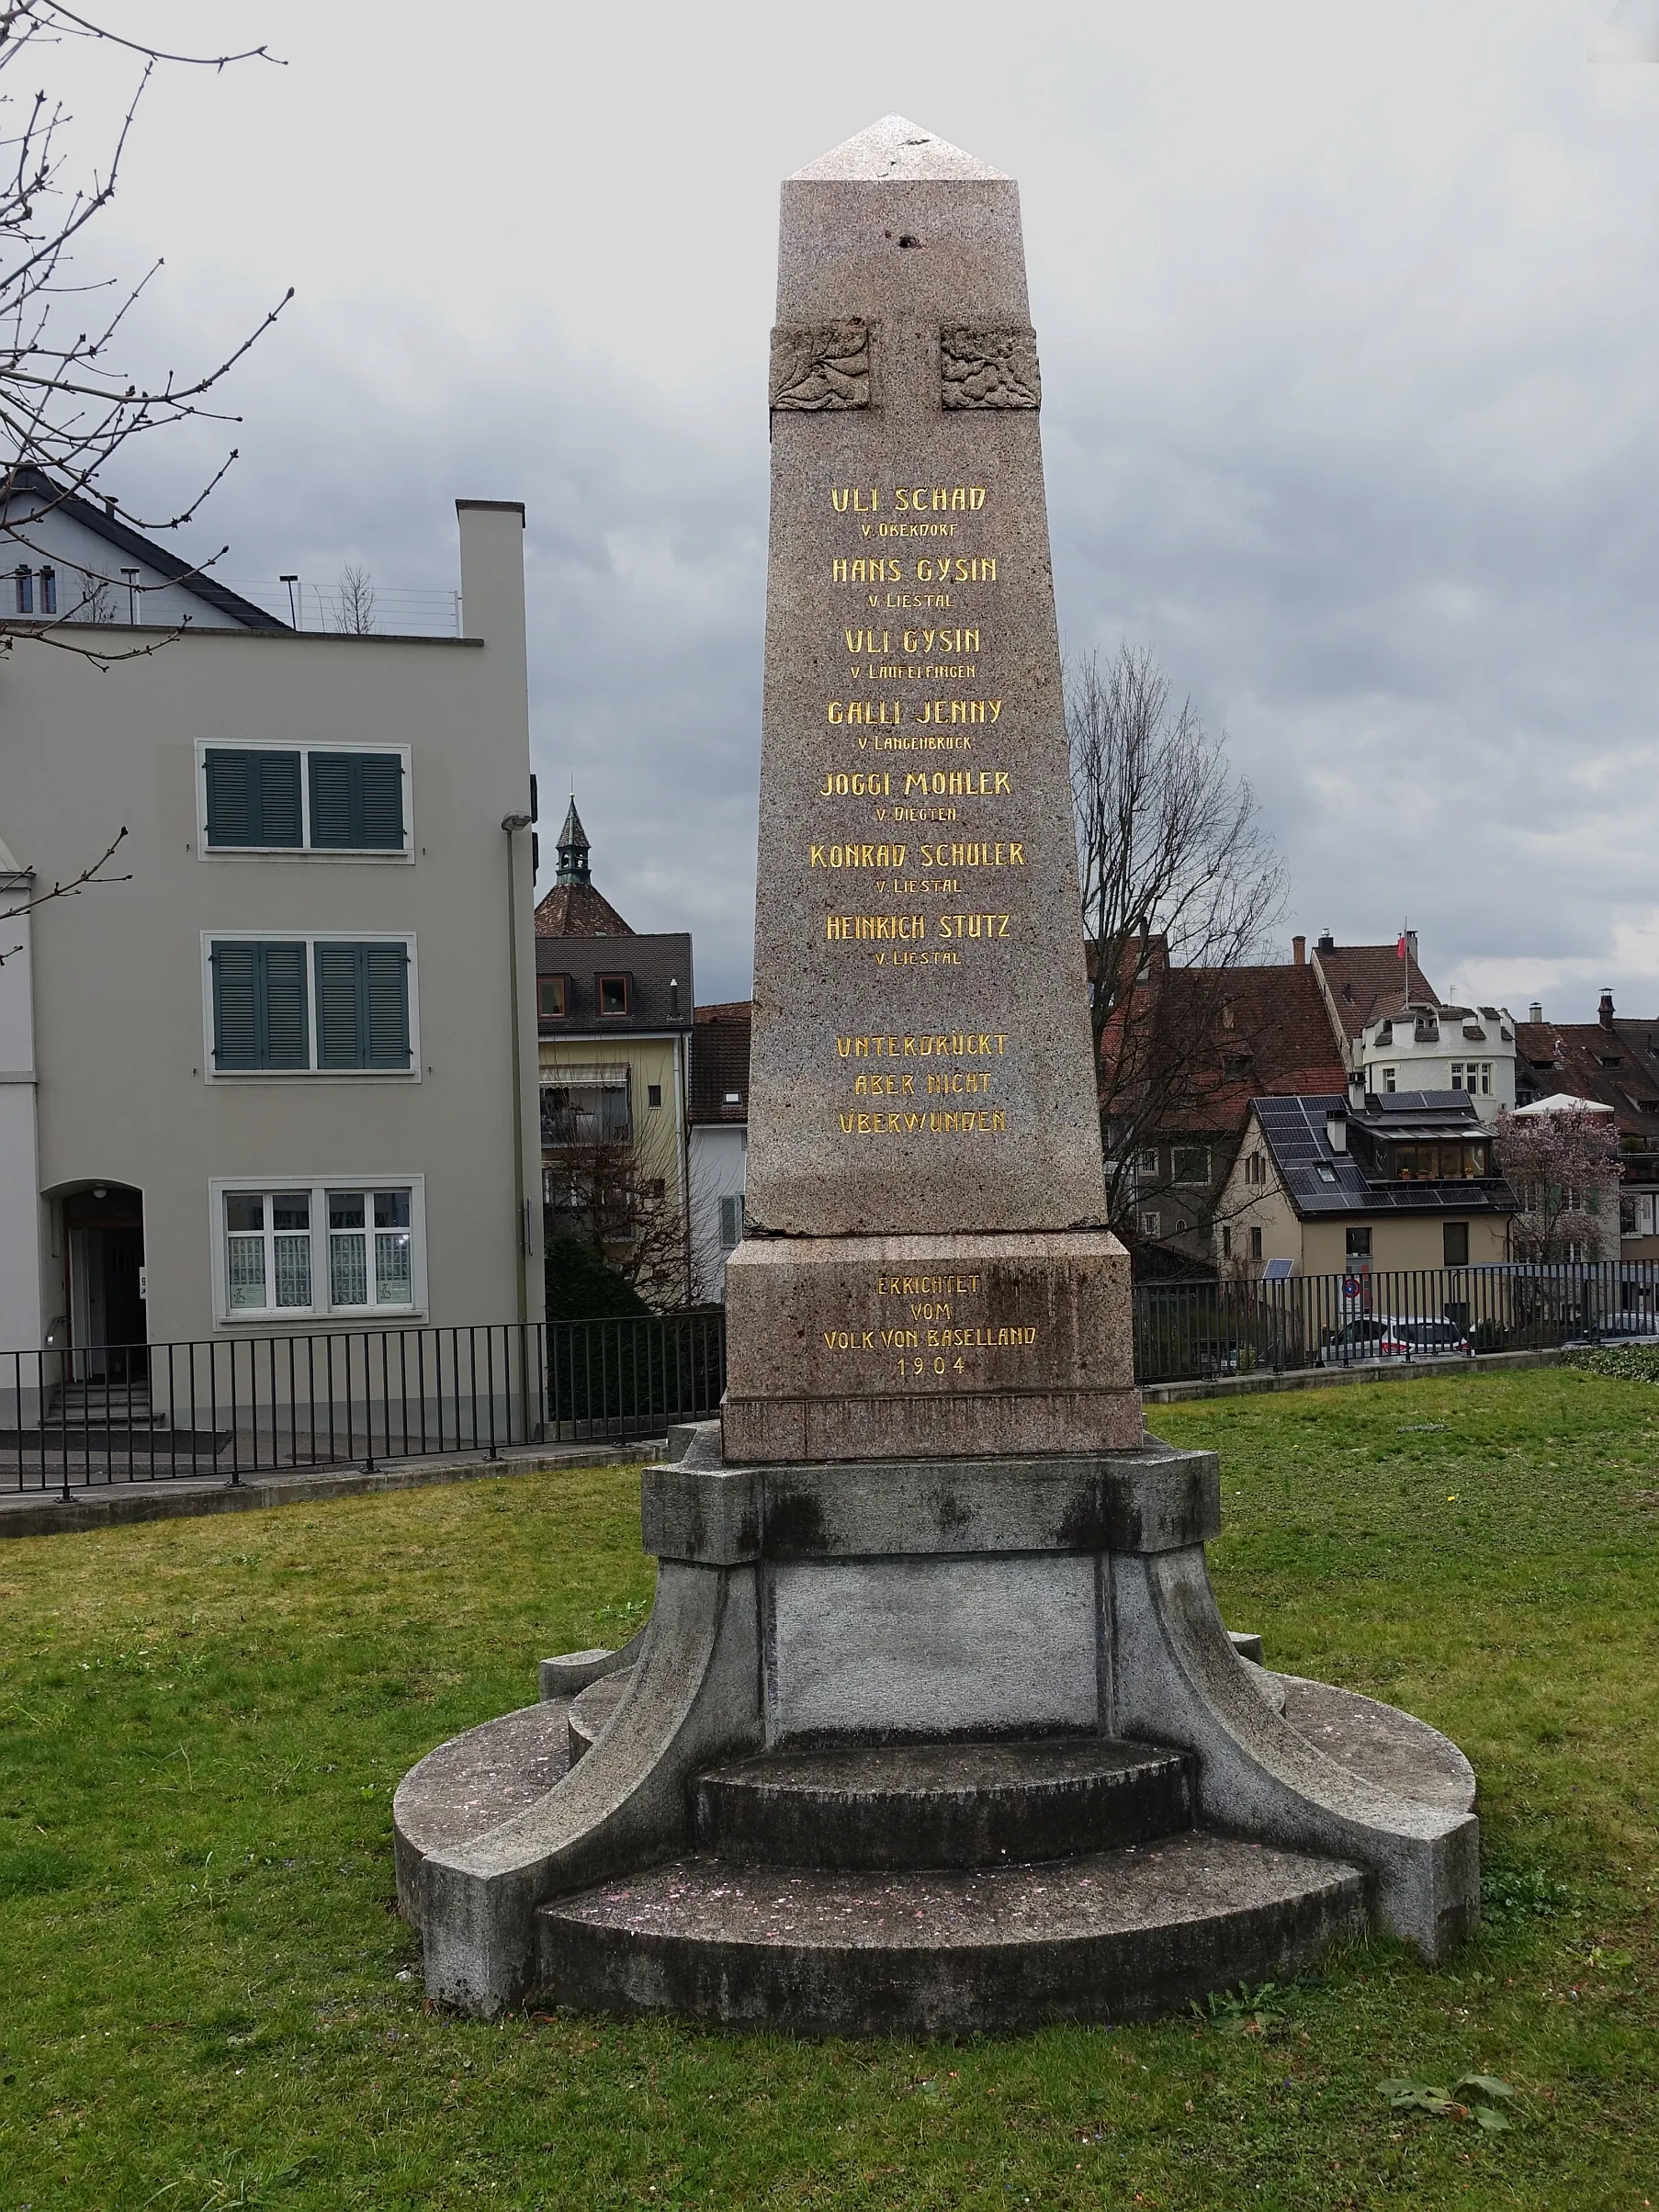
{"type": "Point", "coordinates": [820, 366]}
{"type": "Point", "coordinates": [989, 369]}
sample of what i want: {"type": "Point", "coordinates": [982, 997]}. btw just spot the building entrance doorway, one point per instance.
{"type": "Point", "coordinates": [104, 1243]}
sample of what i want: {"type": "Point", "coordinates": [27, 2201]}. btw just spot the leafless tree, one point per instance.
{"type": "Point", "coordinates": [620, 1195]}
{"type": "Point", "coordinates": [1176, 870]}
{"type": "Point", "coordinates": [356, 613]}
{"type": "Point", "coordinates": [67, 407]}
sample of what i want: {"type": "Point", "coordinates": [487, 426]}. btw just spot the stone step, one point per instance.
{"type": "Point", "coordinates": [1112, 1935]}
{"type": "Point", "coordinates": [592, 1707]}
{"type": "Point", "coordinates": [949, 1804]}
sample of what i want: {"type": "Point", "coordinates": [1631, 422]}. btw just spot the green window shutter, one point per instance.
{"type": "Point", "coordinates": [385, 996]}
{"type": "Point", "coordinates": [362, 1006]}
{"type": "Point", "coordinates": [229, 797]}
{"type": "Point", "coordinates": [380, 776]}
{"type": "Point", "coordinates": [357, 801]}
{"type": "Point", "coordinates": [235, 1006]}
{"type": "Point", "coordinates": [285, 1041]}
{"type": "Point", "coordinates": [276, 779]}
{"type": "Point", "coordinates": [259, 1011]}
{"type": "Point", "coordinates": [330, 798]}
{"type": "Point", "coordinates": [253, 798]}
{"type": "Point", "coordinates": [340, 1039]}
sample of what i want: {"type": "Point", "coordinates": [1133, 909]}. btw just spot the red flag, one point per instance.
{"type": "Point", "coordinates": [1400, 948]}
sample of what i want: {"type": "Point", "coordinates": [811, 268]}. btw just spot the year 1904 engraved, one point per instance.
{"type": "Point", "coordinates": [932, 1337]}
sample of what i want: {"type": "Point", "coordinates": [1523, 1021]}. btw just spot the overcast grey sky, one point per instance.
{"type": "Point", "coordinates": [1346, 316]}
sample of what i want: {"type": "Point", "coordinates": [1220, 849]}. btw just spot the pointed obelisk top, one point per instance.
{"type": "Point", "coordinates": [899, 150]}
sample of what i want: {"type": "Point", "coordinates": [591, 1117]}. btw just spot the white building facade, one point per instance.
{"type": "Point", "coordinates": [280, 1077]}
{"type": "Point", "coordinates": [1465, 1048]}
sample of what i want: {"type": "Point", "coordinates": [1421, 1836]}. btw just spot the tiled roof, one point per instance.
{"type": "Point", "coordinates": [579, 911]}
{"type": "Point", "coordinates": [1320, 1180]}
{"type": "Point", "coordinates": [1575, 1056]}
{"type": "Point", "coordinates": [659, 970]}
{"type": "Point", "coordinates": [1363, 981]}
{"type": "Point", "coordinates": [720, 1062]}
{"type": "Point", "coordinates": [1265, 1030]}
{"type": "Point", "coordinates": [43, 496]}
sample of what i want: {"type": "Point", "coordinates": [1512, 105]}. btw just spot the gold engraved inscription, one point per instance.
{"type": "Point", "coordinates": [947, 1121]}
{"type": "Point", "coordinates": [954, 1044]}
{"type": "Point", "coordinates": [930, 1330]}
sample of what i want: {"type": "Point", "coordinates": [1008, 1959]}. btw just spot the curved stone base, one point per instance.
{"type": "Point", "coordinates": [858, 1689]}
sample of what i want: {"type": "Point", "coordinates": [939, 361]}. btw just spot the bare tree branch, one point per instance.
{"type": "Point", "coordinates": [69, 889]}
{"type": "Point", "coordinates": [355, 615]}
{"type": "Point", "coordinates": [620, 1196]}
{"type": "Point", "coordinates": [1177, 873]}
{"type": "Point", "coordinates": [67, 411]}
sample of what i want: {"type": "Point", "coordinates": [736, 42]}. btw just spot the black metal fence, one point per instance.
{"type": "Point", "coordinates": [1190, 1331]}
{"type": "Point", "coordinates": [613, 1380]}
{"type": "Point", "coordinates": [253, 1405]}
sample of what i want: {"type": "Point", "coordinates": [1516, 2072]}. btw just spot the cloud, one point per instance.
{"type": "Point", "coordinates": [1350, 400]}
{"type": "Point", "coordinates": [1630, 34]}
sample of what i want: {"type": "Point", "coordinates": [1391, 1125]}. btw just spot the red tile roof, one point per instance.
{"type": "Point", "coordinates": [579, 911]}
{"type": "Point", "coordinates": [1616, 1066]}
{"type": "Point", "coordinates": [1265, 1033]}
{"type": "Point", "coordinates": [1364, 981]}
{"type": "Point", "coordinates": [719, 1062]}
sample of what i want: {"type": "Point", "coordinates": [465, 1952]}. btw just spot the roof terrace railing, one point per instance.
{"type": "Point", "coordinates": [373, 611]}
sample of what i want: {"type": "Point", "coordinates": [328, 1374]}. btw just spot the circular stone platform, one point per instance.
{"type": "Point", "coordinates": [796, 1911]}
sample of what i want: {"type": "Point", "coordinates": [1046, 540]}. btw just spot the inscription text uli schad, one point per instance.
{"type": "Point", "coordinates": [925, 1194]}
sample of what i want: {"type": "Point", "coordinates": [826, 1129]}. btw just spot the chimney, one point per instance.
{"type": "Point", "coordinates": [1299, 951]}
{"type": "Point", "coordinates": [1535, 1012]}
{"type": "Point", "coordinates": [1356, 1091]}
{"type": "Point", "coordinates": [1327, 943]}
{"type": "Point", "coordinates": [1604, 1012]}
{"type": "Point", "coordinates": [1336, 1129]}
{"type": "Point", "coordinates": [1411, 952]}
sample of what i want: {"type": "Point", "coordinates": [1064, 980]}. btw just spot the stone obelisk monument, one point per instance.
{"type": "Point", "coordinates": [935, 1725]}
{"type": "Point", "coordinates": [926, 1267]}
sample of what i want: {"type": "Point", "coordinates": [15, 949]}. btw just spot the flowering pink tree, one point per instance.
{"type": "Point", "coordinates": [1563, 1168]}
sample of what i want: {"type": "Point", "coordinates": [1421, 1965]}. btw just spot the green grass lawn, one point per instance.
{"type": "Point", "coordinates": [206, 1998]}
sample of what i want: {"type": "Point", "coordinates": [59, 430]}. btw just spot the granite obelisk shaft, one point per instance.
{"type": "Point", "coordinates": [926, 1266]}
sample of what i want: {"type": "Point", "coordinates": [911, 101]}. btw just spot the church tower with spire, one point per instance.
{"type": "Point", "coordinates": [573, 849]}
{"type": "Point", "coordinates": [573, 908]}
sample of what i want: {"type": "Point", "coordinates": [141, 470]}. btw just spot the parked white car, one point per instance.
{"type": "Point", "coordinates": [1388, 1337]}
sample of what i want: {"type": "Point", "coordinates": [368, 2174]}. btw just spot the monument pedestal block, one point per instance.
{"type": "Point", "coordinates": [869, 1348]}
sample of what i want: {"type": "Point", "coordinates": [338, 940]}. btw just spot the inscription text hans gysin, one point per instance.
{"type": "Point", "coordinates": [912, 1105]}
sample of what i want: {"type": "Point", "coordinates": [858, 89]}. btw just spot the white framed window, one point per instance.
{"type": "Point", "coordinates": [1389, 1078]}
{"type": "Point", "coordinates": [317, 1003]}
{"type": "Point", "coordinates": [292, 1248]}
{"type": "Point", "coordinates": [278, 800]}
{"type": "Point", "coordinates": [1472, 1076]}
{"type": "Point", "coordinates": [1152, 1223]}
{"type": "Point", "coordinates": [1145, 1163]}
